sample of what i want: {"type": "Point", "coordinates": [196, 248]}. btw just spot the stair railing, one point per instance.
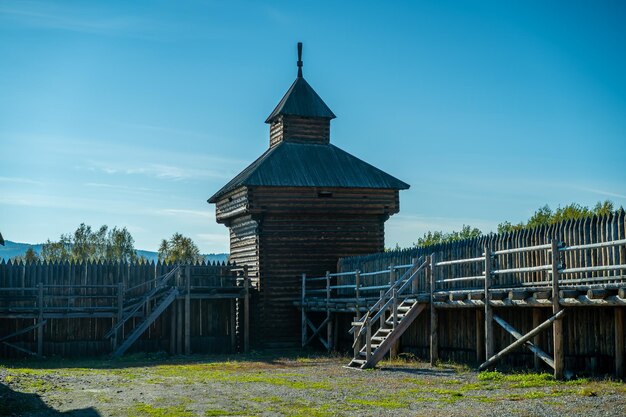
{"type": "Point", "coordinates": [382, 305]}
{"type": "Point", "coordinates": [160, 283]}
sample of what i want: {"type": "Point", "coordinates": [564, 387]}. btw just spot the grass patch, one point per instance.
{"type": "Point", "coordinates": [147, 410]}
{"type": "Point", "coordinates": [382, 403]}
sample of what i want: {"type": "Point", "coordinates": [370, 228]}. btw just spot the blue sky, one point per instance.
{"type": "Point", "coordinates": [134, 113]}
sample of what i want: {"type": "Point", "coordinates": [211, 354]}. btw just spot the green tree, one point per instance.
{"type": "Point", "coordinates": [60, 251]}
{"type": "Point", "coordinates": [86, 244]}
{"type": "Point", "coordinates": [29, 256]}
{"type": "Point", "coordinates": [179, 249]}
{"type": "Point", "coordinates": [438, 237]}
{"type": "Point", "coordinates": [120, 246]}
{"type": "Point", "coordinates": [545, 216]}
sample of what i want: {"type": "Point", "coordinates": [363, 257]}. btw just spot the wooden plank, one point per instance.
{"type": "Point", "coordinates": [489, 349]}
{"type": "Point", "coordinates": [619, 342]}
{"type": "Point", "coordinates": [246, 310]}
{"type": "Point", "coordinates": [187, 310]}
{"type": "Point", "coordinates": [557, 325]}
{"type": "Point", "coordinates": [40, 319]}
{"type": "Point", "coordinates": [537, 339]}
{"type": "Point", "coordinates": [434, 337]}
{"type": "Point", "coordinates": [480, 336]}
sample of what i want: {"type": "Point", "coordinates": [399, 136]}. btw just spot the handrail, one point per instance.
{"type": "Point", "coordinates": [144, 299]}
{"type": "Point", "coordinates": [411, 273]}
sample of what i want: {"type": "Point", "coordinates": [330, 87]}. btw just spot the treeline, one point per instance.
{"type": "Point", "coordinates": [86, 244]}
{"type": "Point", "coordinates": [543, 216]}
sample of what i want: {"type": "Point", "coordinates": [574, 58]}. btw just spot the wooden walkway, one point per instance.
{"type": "Point", "coordinates": [433, 285]}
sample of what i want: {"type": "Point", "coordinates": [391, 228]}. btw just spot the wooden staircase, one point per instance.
{"type": "Point", "coordinates": [395, 312]}
{"type": "Point", "coordinates": [156, 300]}
{"type": "Point", "coordinates": [163, 304]}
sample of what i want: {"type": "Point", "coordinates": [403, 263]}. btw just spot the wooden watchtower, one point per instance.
{"type": "Point", "coordinates": [299, 207]}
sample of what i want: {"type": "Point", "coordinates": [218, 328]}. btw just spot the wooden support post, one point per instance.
{"type": "Point", "coordinates": [392, 274]}
{"type": "Point", "coordinates": [368, 339]}
{"type": "Point", "coordinates": [233, 326]}
{"type": "Point", "coordinates": [303, 311]}
{"type": "Point", "coordinates": [557, 325]}
{"type": "Point", "coordinates": [357, 280]}
{"type": "Point", "coordinates": [328, 318]}
{"type": "Point", "coordinates": [246, 310]}
{"type": "Point", "coordinates": [480, 335]}
{"type": "Point", "coordinates": [40, 320]}
{"type": "Point", "coordinates": [172, 309]}
{"type": "Point", "coordinates": [356, 345]}
{"type": "Point", "coordinates": [489, 349]}
{"type": "Point", "coordinates": [188, 310]}
{"type": "Point", "coordinates": [329, 331]}
{"type": "Point", "coordinates": [395, 307]}
{"type": "Point", "coordinates": [537, 339]}
{"type": "Point", "coordinates": [395, 347]}
{"type": "Point", "coordinates": [120, 314]}
{"type": "Point", "coordinates": [434, 340]}
{"type": "Point", "coordinates": [415, 283]}
{"type": "Point", "coordinates": [179, 327]}
{"type": "Point", "coordinates": [382, 316]}
{"type": "Point", "coordinates": [619, 342]}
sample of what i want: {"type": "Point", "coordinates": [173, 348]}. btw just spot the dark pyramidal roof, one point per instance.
{"type": "Point", "coordinates": [301, 100]}
{"type": "Point", "coordinates": [291, 164]}
{"type": "Point", "coordinates": [301, 164]}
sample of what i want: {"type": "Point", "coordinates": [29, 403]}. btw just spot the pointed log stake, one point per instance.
{"type": "Point", "coordinates": [519, 342]}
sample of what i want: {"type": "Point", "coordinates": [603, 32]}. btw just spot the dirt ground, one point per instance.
{"type": "Point", "coordinates": [289, 385]}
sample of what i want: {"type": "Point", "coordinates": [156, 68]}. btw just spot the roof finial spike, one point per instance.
{"type": "Point", "coordinates": [299, 59]}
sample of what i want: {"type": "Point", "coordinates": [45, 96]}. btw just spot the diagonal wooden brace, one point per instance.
{"type": "Point", "coordinates": [533, 348]}
{"type": "Point", "coordinates": [316, 331]}
{"type": "Point", "coordinates": [24, 330]}
{"type": "Point", "coordinates": [519, 342]}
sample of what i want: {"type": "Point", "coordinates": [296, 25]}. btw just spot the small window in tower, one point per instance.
{"type": "Point", "coordinates": [324, 194]}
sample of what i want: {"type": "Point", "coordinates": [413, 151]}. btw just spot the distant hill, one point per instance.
{"type": "Point", "coordinates": [12, 249]}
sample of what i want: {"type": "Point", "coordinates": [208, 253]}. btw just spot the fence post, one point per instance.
{"type": "Point", "coordinates": [187, 309]}
{"type": "Point", "coordinates": [488, 309]}
{"type": "Point", "coordinates": [40, 320]}
{"type": "Point", "coordinates": [382, 303]}
{"type": "Point", "coordinates": [415, 283]}
{"type": "Point", "coordinates": [303, 311]}
{"type": "Point", "coordinates": [619, 342]}
{"type": "Point", "coordinates": [120, 313]}
{"type": "Point", "coordinates": [357, 280]}
{"type": "Point", "coordinates": [246, 310]}
{"type": "Point", "coordinates": [395, 308]}
{"type": "Point", "coordinates": [392, 275]}
{"type": "Point", "coordinates": [557, 325]}
{"type": "Point", "coordinates": [368, 339]}
{"type": "Point", "coordinates": [434, 341]}
{"type": "Point", "coordinates": [356, 344]}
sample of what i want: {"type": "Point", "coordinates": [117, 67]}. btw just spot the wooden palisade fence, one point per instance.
{"type": "Point", "coordinates": [576, 266]}
{"type": "Point", "coordinates": [96, 308]}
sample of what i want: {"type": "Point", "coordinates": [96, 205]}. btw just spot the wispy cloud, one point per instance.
{"type": "Point", "coordinates": [52, 15]}
{"type": "Point", "coordinates": [601, 192]}
{"type": "Point", "coordinates": [118, 187]}
{"type": "Point", "coordinates": [156, 170]}
{"type": "Point", "coordinates": [20, 180]}
{"type": "Point", "coordinates": [208, 214]}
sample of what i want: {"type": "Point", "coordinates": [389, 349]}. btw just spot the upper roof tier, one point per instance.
{"type": "Point", "coordinates": [301, 100]}
{"type": "Point", "coordinates": [310, 165]}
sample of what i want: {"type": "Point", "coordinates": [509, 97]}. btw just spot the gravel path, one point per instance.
{"type": "Point", "coordinates": [288, 385]}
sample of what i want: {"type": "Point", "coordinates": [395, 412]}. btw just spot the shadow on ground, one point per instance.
{"type": "Point", "coordinates": [14, 403]}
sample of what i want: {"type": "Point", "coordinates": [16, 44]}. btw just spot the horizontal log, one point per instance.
{"type": "Point", "coordinates": [597, 294]}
